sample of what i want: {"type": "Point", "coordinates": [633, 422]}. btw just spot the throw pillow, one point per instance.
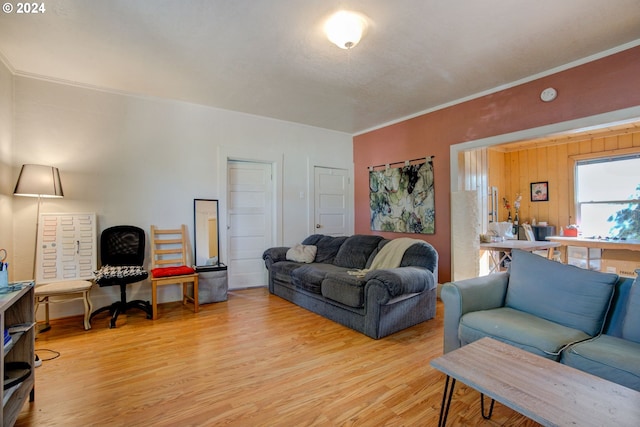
{"type": "Point", "coordinates": [631, 326]}
{"type": "Point", "coordinates": [302, 253]}
{"type": "Point", "coordinates": [564, 294]}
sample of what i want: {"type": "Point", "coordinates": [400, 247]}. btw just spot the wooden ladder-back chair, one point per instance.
{"type": "Point", "coordinates": [169, 265]}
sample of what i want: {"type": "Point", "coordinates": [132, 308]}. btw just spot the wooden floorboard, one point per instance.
{"type": "Point", "coordinates": [254, 360]}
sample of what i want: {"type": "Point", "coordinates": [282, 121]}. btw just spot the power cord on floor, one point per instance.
{"type": "Point", "coordinates": [39, 361]}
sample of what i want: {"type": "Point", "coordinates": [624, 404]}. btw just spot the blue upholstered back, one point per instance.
{"type": "Point", "coordinates": [618, 311]}
{"type": "Point", "coordinates": [561, 293]}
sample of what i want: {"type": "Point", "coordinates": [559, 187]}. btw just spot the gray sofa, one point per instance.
{"type": "Point", "coordinates": [381, 302]}
{"type": "Point", "coordinates": [585, 319]}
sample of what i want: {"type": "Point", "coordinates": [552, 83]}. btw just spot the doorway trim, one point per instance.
{"type": "Point", "coordinates": [226, 154]}
{"type": "Point", "coordinates": [577, 125]}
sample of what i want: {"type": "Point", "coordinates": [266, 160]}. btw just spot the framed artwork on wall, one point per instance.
{"type": "Point", "coordinates": [540, 191]}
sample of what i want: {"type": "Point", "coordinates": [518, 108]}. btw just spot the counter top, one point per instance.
{"type": "Point", "coordinates": [631, 245]}
{"type": "Point", "coordinates": [524, 245]}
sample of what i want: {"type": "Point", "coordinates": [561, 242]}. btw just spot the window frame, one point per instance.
{"type": "Point", "coordinates": [574, 208]}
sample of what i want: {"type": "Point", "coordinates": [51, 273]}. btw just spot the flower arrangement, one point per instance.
{"type": "Point", "coordinates": [516, 204]}
{"type": "Point", "coordinates": [506, 203]}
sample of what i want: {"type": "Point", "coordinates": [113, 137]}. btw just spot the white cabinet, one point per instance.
{"type": "Point", "coordinates": [67, 248]}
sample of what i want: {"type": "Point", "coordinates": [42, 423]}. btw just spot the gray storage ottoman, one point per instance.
{"type": "Point", "coordinates": [212, 283]}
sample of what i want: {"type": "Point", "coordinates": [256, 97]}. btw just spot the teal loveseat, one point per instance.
{"type": "Point", "coordinates": [585, 319]}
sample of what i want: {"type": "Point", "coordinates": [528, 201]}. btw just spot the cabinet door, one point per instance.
{"type": "Point", "coordinates": [66, 247]}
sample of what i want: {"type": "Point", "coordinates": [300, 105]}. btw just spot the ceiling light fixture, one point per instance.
{"type": "Point", "coordinates": [345, 29]}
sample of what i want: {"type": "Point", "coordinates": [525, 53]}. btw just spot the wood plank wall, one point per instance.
{"type": "Point", "coordinates": [513, 168]}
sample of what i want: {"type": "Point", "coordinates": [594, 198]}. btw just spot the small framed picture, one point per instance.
{"type": "Point", "coordinates": [540, 191]}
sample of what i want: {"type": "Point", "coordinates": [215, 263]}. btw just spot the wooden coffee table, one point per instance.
{"type": "Point", "coordinates": [545, 391]}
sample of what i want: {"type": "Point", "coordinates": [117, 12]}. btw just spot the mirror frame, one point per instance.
{"type": "Point", "coordinates": [196, 203]}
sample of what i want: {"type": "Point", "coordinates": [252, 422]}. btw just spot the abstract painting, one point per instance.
{"type": "Point", "coordinates": [402, 199]}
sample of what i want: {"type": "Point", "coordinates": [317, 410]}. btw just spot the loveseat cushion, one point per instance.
{"type": "Point", "coordinates": [310, 276]}
{"type": "Point", "coordinates": [631, 325]}
{"type": "Point", "coordinates": [327, 246]}
{"type": "Point", "coordinates": [355, 251]}
{"type": "Point", "coordinates": [519, 329]}
{"type": "Point", "coordinates": [607, 357]}
{"type": "Point", "coordinates": [344, 288]}
{"type": "Point", "coordinates": [563, 294]}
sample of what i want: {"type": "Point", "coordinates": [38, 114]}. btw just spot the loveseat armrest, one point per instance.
{"type": "Point", "coordinates": [402, 280]}
{"type": "Point", "coordinates": [465, 296]}
{"type": "Point", "coordinates": [273, 255]}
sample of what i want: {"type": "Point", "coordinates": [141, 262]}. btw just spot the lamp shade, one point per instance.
{"type": "Point", "coordinates": [39, 181]}
{"type": "Point", "coordinates": [345, 29]}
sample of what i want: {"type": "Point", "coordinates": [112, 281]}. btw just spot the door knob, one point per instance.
{"type": "Point", "coordinates": [318, 226]}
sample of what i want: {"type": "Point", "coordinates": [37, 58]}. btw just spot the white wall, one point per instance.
{"type": "Point", "coordinates": [6, 173]}
{"type": "Point", "coordinates": [142, 161]}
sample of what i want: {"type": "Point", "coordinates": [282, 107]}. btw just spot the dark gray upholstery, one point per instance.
{"type": "Point", "coordinates": [328, 246]}
{"type": "Point", "coordinates": [377, 304]}
{"type": "Point", "coordinates": [345, 288]}
{"type": "Point", "coordinates": [355, 251]}
{"type": "Point", "coordinates": [310, 276]}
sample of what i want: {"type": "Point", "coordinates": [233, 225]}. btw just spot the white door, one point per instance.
{"type": "Point", "coordinates": [250, 221]}
{"type": "Point", "coordinates": [331, 186]}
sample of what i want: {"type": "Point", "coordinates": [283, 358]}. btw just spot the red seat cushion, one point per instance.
{"type": "Point", "coordinates": [171, 271]}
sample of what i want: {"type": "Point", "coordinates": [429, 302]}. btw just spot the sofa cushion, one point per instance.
{"type": "Point", "coordinates": [607, 357]}
{"type": "Point", "coordinates": [327, 246]}
{"type": "Point", "coordinates": [519, 329]}
{"type": "Point", "coordinates": [355, 251]}
{"type": "Point", "coordinates": [344, 288]}
{"type": "Point", "coordinates": [373, 254]}
{"type": "Point", "coordinates": [560, 293]}
{"type": "Point", "coordinates": [631, 325]}
{"type": "Point", "coordinates": [310, 276]}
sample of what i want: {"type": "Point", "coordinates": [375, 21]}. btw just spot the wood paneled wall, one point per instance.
{"type": "Point", "coordinates": [513, 170]}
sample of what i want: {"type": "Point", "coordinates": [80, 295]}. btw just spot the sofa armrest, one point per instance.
{"type": "Point", "coordinates": [273, 255]}
{"type": "Point", "coordinates": [464, 296]}
{"type": "Point", "coordinates": [402, 280]}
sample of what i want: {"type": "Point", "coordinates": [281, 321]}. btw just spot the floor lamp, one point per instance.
{"type": "Point", "coordinates": [38, 181]}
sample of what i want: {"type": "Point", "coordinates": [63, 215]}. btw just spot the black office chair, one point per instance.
{"type": "Point", "coordinates": [122, 258]}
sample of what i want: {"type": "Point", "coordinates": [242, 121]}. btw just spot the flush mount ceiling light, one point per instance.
{"type": "Point", "coordinates": [345, 29]}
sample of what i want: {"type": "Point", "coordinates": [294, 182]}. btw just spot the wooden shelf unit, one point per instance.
{"type": "Point", "coordinates": [17, 308]}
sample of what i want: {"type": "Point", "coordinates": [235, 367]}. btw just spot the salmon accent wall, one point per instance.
{"type": "Point", "coordinates": [608, 84]}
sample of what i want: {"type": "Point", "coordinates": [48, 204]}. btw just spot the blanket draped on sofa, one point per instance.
{"type": "Point", "coordinates": [390, 256]}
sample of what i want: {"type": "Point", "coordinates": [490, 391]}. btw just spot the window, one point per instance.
{"type": "Point", "coordinates": [608, 195]}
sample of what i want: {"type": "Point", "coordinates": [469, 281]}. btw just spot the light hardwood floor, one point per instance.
{"type": "Point", "coordinates": [254, 360]}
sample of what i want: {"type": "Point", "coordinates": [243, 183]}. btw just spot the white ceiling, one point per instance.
{"type": "Point", "coordinates": [271, 58]}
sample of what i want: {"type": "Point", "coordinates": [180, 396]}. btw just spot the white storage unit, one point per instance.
{"type": "Point", "coordinates": [67, 248]}
{"type": "Point", "coordinates": [583, 257]}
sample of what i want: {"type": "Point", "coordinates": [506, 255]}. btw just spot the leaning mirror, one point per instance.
{"type": "Point", "coordinates": [206, 232]}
